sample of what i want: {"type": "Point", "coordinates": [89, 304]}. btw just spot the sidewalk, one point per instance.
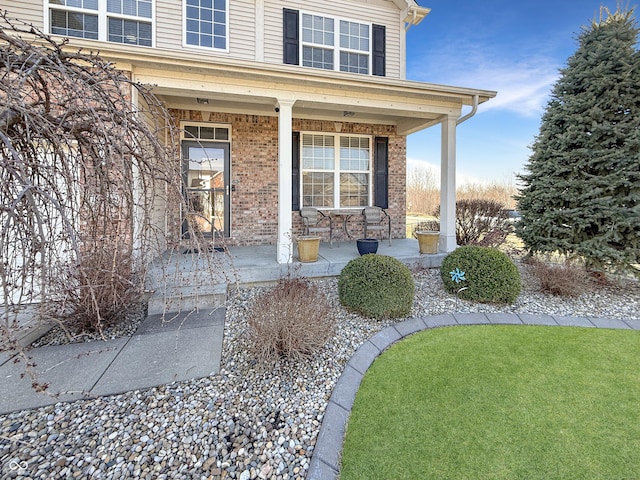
{"type": "Point", "coordinates": [187, 347]}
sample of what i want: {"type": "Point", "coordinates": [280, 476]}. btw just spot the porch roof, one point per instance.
{"type": "Point", "coordinates": [236, 86]}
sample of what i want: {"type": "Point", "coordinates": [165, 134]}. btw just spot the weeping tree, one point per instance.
{"type": "Point", "coordinates": [87, 159]}
{"type": "Point", "coordinates": [582, 191]}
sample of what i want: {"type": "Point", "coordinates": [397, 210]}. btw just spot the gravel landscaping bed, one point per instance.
{"type": "Point", "coordinates": [247, 422]}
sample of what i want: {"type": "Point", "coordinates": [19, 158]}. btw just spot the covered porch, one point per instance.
{"type": "Point", "coordinates": [267, 111]}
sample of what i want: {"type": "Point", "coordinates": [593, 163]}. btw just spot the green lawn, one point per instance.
{"type": "Point", "coordinates": [499, 402]}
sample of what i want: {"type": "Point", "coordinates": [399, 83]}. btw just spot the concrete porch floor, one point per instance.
{"type": "Point", "coordinates": [258, 264]}
{"type": "Point", "coordinates": [183, 281]}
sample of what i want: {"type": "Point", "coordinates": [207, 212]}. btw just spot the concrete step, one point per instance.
{"type": "Point", "coordinates": [181, 298]}
{"type": "Point", "coordinates": [157, 279]}
{"type": "Point", "coordinates": [26, 324]}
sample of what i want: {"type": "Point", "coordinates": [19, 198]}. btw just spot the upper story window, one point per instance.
{"type": "Point", "coordinates": [118, 21]}
{"type": "Point", "coordinates": [354, 47]}
{"type": "Point", "coordinates": [317, 42]}
{"type": "Point", "coordinates": [331, 43]}
{"type": "Point", "coordinates": [346, 50]}
{"type": "Point", "coordinates": [206, 23]}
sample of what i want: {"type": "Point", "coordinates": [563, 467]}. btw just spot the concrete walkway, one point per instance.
{"type": "Point", "coordinates": [325, 463]}
{"type": "Point", "coordinates": [186, 347]}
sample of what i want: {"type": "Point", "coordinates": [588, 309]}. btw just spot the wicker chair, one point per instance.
{"type": "Point", "coordinates": [314, 221]}
{"type": "Point", "coordinates": [376, 219]}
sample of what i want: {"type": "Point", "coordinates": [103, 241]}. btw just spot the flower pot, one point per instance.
{"type": "Point", "coordinates": [367, 245]}
{"type": "Point", "coordinates": [308, 249]}
{"type": "Point", "coordinates": [428, 241]}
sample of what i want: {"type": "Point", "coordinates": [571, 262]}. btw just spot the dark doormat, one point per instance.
{"type": "Point", "coordinates": [211, 248]}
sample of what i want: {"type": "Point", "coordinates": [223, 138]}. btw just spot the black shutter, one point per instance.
{"type": "Point", "coordinates": [379, 50]}
{"type": "Point", "coordinates": [295, 171]}
{"type": "Point", "coordinates": [290, 47]}
{"type": "Point", "coordinates": [381, 173]}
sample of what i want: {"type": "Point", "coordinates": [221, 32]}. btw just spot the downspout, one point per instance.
{"type": "Point", "coordinates": [474, 109]}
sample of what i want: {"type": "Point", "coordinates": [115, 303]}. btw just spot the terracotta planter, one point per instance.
{"type": "Point", "coordinates": [308, 248]}
{"type": "Point", "coordinates": [367, 245]}
{"type": "Point", "coordinates": [428, 241]}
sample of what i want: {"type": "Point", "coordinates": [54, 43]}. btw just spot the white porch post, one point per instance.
{"type": "Point", "coordinates": [285, 242]}
{"type": "Point", "coordinates": [448, 185]}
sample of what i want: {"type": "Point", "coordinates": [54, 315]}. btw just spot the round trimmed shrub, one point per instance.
{"type": "Point", "coordinates": [489, 275]}
{"type": "Point", "coordinates": [376, 286]}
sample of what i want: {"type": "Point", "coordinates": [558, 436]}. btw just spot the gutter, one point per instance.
{"type": "Point", "coordinates": [474, 109]}
{"type": "Point", "coordinates": [415, 14]}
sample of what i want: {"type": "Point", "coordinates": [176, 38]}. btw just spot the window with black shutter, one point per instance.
{"type": "Point", "coordinates": [332, 43]}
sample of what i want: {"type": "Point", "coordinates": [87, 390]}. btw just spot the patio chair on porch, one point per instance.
{"type": "Point", "coordinates": [313, 220]}
{"type": "Point", "coordinates": [376, 219]}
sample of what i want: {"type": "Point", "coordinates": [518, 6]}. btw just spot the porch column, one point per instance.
{"type": "Point", "coordinates": [448, 185]}
{"type": "Point", "coordinates": [285, 242]}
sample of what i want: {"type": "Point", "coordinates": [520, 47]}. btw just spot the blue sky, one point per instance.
{"type": "Point", "coordinates": [513, 47]}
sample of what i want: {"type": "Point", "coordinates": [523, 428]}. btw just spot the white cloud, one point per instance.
{"type": "Point", "coordinates": [522, 88]}
{"type": "Point", "coordinates": [523, 85]}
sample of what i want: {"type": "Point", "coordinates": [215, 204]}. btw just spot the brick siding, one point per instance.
{"type": "Point", "coordinates": [254, 172]}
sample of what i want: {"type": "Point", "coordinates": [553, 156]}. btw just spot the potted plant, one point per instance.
{"type": "Point", "coordinates": [308, 248]}
{"type": "Point", "coordinates": [428, 235]}
{"type": "Point", "coordinates": [367, 245]}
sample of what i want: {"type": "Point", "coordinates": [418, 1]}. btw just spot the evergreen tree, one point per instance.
{"type": "Point", "coordinates": [581, 195]}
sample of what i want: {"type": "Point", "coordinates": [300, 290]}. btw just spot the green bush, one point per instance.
{"type": "Point", "coordinates": [489, 275]}
{"type": "Point", "coordinates": [377, 286]}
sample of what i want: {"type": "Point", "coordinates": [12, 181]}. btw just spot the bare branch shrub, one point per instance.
{"type": "Point", "coordinates": [88, 168]}
{"type": "Point", "coordinates": [423, 190]}
{"type": "Point", "coordinates": [427, 226]}
{"type": "Point", "coordinates": [292, 320]}
{"type": "Point", "coordinates": [501, 191]}
{"type": "Point", "coordinates": [566, 279]}
{"type": "Point", "coordinates": [480, 222]}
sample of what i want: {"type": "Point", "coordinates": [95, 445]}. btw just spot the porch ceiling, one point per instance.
{"type": "Point", "coordinates": [403, 119]}
{"type": "Point", "coordinates": [235, 86]}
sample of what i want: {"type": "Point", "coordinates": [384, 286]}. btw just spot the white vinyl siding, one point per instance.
{"type": "Point", "coordinates": [242, 29]}
{"type": "Point", "coordinates": [30, 11]}
{"type": "Point", "coordinates": [169, 24]}
{"type": "Point", "coordinates": [169, 28]}
{"type": "Point", "coordinates": [364, 12]}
